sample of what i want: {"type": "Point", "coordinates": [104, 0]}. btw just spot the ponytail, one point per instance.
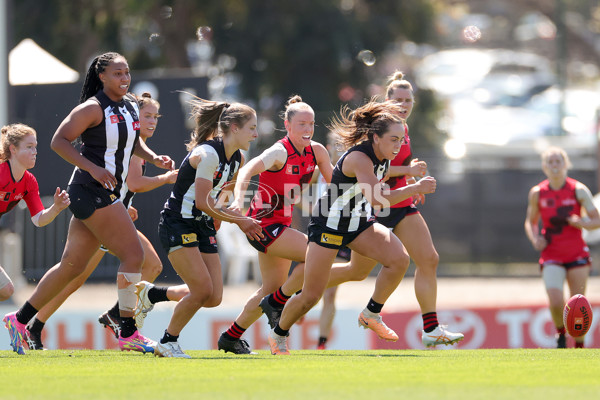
{"type": "Point", "coordinates": [373, 118]}
{"type": "Point", "coordinates": [215, 118]}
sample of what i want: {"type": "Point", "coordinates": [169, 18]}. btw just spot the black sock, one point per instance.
{"type": "Point", "coordinates": [168, 338]}
{"type": "Point", "coordinates": [374, 307]}
{"type": "Point", "coordinates": [128, 327]}
{"type": "Point", "coordinates": [157, 294]}
{"type": "Point", "coordinates": [25, 313]}
{"type": "Point", "coordinates": [322, 340]}
{"type": "Point", "coordinates": [114, 311]}
{"type": "Point", "coordinates": [278, 299]}
{"type": "Point", "coordinates": [35, 326]}
{"type": "Point", "coordinates": [280, 332]}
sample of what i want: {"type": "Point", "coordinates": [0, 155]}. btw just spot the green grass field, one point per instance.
{"type": "Point", "coordinates": [532, 374]}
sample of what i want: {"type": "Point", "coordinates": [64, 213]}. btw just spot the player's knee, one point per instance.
{"type": "Point", "coordinates": [7, 291]}
{"type": "Point", "coordinates": [199, 296]}
{"type": "Point", "coordinates": [432, 260]}
{"type": "Point", "coordinates": [214, 300]}
{"type": "Point", "coordinates": [400, 262]}
{"type": "Point", "coordinates": [72, 266]}
{"type": "Point", "coordinates": [152, 269]}
{"type": "Point", "coordinates": [310, 300]}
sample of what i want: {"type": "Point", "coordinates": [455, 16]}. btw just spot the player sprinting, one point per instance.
{"type": "Point", "coordinates": [559, 203]}
{"type": "Point", "coordinates": [186, 228]}
{"type": "Point", "coordinates": [284, 169]}
{"type": "Point", "coordinates": [410, 227]}
{"type": "Point", "coordinates": [152, 266]}
{"type": "Point", "coordinates": [373, 135]}
{"type": "Point", "coordinates": [107, 122]}
{"type": "Point", "coordinates": [18, 152]}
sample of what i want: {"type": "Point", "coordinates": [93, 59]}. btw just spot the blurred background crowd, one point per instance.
{"type": "Point", "coordinates": [496, 82]}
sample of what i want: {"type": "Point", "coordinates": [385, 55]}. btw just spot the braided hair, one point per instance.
{"type": "Point", "coordinates": [92, 83]}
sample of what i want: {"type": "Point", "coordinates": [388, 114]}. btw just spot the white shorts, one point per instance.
{"type": "Point", "coordinates": [4, 278]}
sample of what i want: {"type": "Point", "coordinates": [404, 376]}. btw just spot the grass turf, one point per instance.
{"type": "Point", "coordinates": [534, 374]}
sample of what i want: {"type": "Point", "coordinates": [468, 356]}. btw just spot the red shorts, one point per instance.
{"type": "Point", "coordinates": [271, 233]}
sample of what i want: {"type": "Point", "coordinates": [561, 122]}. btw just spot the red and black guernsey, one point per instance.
{"type": "Point", "coordinates": [565, 242]}
{"type": "Point", "coordinates": [403, 158]}
{"type": "Point", "coordinates": [11, 191]}
{"type": "Point", "coordinates": [278, 191]}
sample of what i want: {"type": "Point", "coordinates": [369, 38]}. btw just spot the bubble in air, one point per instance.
{"type": "Point", "coordinates": [204, 33]}
{"type": "Point", "coordinates": [367, 57]}
{"type": "Point", "coordinates": [471, 34]}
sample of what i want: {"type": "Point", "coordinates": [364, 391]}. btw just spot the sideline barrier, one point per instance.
{"type": "Point", "coordinates": [507, 327]}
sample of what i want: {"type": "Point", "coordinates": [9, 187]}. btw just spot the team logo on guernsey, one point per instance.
{"type": "Point", "coordinates": [113, 197]}
{"type": "Point", "coordinates": [292, 170]}
{"type": "Point", "coordinates": [5, 196]}
{"type": "Point", "coordinates": [136, 125]}
{"type": "Point", "coordinates": [545, 203]}
{"type": "Point", "coordinates": [331, 239]}
{"type": "Point", "coordinates": [18, 197]}
{"type": "Point", "coordinates": [188, 238]}
{"type": "Point", "coordinates": [212, 240]}
{"type": "Point", "coordinates": [115, 119]}
{"type": "Point", "coordinates": [218, 173]}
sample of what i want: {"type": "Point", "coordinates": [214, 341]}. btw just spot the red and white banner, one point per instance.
{"type": "Point", "coordinates": [507, 327]}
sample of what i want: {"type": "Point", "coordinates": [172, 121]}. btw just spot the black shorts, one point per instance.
{"type": "Point", "coordinates": [175, 232]}
{"type": "Point", "coordinates": [392, 216]}
{"type": "Point", "coordinates": [89, 197]}
{"type": "Point", "coordinates": [580, 262]}
{"type": "Point", "coordinates": [333, 239]}
{"type": "Point", "coordinates": [271, 233]}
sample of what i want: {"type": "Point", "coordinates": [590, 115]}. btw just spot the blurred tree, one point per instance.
{"type": "Point", "coordinates": [323, 50]}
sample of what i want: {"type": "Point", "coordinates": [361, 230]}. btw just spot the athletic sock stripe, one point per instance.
{"type": "Point", "coordinates": [279, 297]}
{"type": "Point", "coordinates": [235, 331]}
{"type": "Point", "coordinates": [430, 321]}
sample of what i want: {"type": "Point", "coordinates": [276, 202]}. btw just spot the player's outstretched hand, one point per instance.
{"type": "Point", "coordinates": [164, 162]}
{"type": "Point", "coordinates": [61, 199]}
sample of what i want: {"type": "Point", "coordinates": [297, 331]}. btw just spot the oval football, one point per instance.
{"type": "Point", "coordinates": [577, 315]}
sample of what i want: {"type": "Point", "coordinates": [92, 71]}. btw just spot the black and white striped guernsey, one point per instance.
{"type": "Point", "coordinates": [343, 207]}
{"type": "Point", "coordinates": [128, 193]}
{"type": "Point", "coordinates": [110, 144]}
{"type": "Point", "coordinates": [182, 201]}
